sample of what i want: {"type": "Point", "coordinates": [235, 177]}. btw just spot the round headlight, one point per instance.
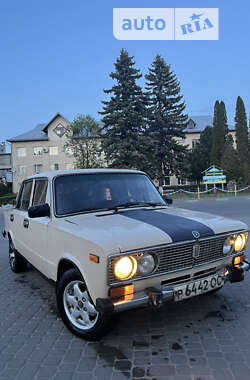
{"type": "Point", "coordinates": [228, 246]}
{"type": "Point", "coordinates": [239, 243]}
{"type": "Point", "coordinates": [146, 264]}
{"type": "Point", "coordinates": [125, 268]}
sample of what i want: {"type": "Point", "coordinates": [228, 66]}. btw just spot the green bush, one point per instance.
{"type": "Point", "coordinates": [7, 199]}
{"type": "Point", "coordinates": [4, 190]}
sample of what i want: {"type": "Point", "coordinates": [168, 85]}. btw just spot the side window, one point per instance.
{"type": "Point", "coordinates": [24, 199]}
{"type": "Point", "coordinates": [40, 192]}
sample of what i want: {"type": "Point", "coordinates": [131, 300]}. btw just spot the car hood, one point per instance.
{"type": "Point", "coordinates": [133, 229]}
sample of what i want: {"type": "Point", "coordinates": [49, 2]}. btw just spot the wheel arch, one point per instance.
{"type": "Point", "coordinates": [66, 264]}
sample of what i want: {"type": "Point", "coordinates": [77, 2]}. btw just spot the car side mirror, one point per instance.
{"type": "Point", "coordinates": [167, 199]}
{"type": "Point", "coordinates": [39, 211]}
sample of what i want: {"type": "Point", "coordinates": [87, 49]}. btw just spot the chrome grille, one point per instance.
{"type": "Point", "coordinates": [177, 256]}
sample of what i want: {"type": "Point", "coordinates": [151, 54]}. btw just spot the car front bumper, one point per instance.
{"type": "Point", "coordinates": [156, 297]}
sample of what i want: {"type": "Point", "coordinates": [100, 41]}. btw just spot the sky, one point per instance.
{"type": "Point", "coordinates": [56, 56]}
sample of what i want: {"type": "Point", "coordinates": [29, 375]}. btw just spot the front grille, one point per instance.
{"type": "Point", "coordinates": [177, 257]}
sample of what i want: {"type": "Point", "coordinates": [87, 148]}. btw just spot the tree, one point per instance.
{"type": "Point", "coordinates": [124, 117]}
{"type": "Point", "coordinates": [230, 160]}
{"type": "Point", "coordinates": [200, 156]}
{"type": "Point", "coordinates": [241, 133]}
{"type": "Point", "coordinates": [166, 120]}
{"type": "Point", "coordinates": [220, 129]}
{"type": "Point", "coordinates": [83, 140]}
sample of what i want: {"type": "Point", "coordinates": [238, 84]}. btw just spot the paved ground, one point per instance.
{"type": "Point", "coordinates": [205, 338]}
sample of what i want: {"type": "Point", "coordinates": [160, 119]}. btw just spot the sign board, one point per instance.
{"type": "Point", "coordinates": [214, 176]}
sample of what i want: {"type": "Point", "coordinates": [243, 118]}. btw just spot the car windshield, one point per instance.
{"type": "Point", "coordinates": [78, 193]}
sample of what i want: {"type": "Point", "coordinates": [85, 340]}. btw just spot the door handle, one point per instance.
{"type": "Point", "coordinates": [11, 217]}
{"type": "Point", "coordinates": [26, 223]}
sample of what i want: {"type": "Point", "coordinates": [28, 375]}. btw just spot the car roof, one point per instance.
{"type": "Point", "coordinates": [56, 173]}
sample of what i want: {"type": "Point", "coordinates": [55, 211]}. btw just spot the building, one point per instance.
{"type": "Point", "coordinates": [42, 149]}
{"type": "Point", "coordinates": [39, 150]}
{"type": "Point", "coordinates": [195, 126]}
{"type": "Point", "coordinates": [5, 164]}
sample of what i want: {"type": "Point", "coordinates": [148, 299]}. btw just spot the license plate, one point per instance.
{"type": "Point", "coordinates": [198, 287]}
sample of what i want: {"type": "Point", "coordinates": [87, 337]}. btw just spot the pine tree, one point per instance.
{"type": "Point", "coordinates": [83, 140]}
{"type": "Point", "coordinates": [200, 157]}
{"type": "Point", "coordinates": [220, 130]}
{"type": "Point", "coordinates": [124, 117]}
{"type": "Point", "coordinates": [241, 131]}
{"type": "Point", "coordinates": [166, 120]}
{"type": "Point", "coordinates": [230, 160]}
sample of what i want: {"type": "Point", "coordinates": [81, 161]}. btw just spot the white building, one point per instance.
{"type": "Point", "coordinates": [42, 148]}
{"type": "Point", "coordinates": [39, 150]}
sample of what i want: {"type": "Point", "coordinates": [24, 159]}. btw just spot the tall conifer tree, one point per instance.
{"type": "Point", "coordinates": [241, 131]}
{"type": "Point", "coordinates": [220, 129]}
{"type": "Point", "coordinates": [200, 156]}
{"type": "Point", "coordinates": [166, 120]}
{"type": "Point", "coordinates": [230, 160]}
{"type": "Point", "coordinates": [124, 117]}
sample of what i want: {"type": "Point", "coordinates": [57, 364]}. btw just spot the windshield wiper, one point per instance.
{"type": "Point", "coordinates": [135, 204]}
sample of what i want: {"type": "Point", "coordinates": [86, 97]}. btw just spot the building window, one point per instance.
{"type": "Point", "coordinates": [182, 181]}
{"type": "Point", "coordinates": [38, 168]}
{"type": "Point", "coordinates": [54, 167]}
{"type": "Point", "coordinates": [195, 142]}
{"type": "Point", "coordinates": [166, 181]}
{"type": "Point", "coordinates": [59, 130]}
{"type": "Point", "coordinates": [53, 150]}
{"type": "Point", "coordinates": [21, 170]}
{"type": "Point", "coordinates": [21, 152]}
{"type": "Point", "coordinates": [69, 166]}
{"type": "Point", "coordinates": [38, 151]}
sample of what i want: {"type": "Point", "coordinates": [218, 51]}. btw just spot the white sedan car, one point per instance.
{"type": "Point", "coordinates": [111, 243]}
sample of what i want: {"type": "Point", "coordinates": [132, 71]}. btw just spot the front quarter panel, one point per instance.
{"type": "Point", "coordinates": [64, 244]}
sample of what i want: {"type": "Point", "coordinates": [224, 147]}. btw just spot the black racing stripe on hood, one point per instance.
{"type": "Point", "coordinates": [177, 227]}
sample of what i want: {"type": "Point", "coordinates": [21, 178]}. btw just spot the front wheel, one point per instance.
{"type": "Point", "coordinates": [18, 263]}
{"type": "Point", "coordinates": [77, 309]}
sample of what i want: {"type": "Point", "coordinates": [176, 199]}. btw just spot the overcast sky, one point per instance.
{"type": "Point", "coordinates": [56, 56]}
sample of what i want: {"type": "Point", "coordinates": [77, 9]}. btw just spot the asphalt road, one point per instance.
{"type": "Point", "coordinates": [205, 338]}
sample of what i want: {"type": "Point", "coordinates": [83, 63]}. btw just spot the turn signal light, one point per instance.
{"type": "Point", "coordinates": [122, 291]}
{"type": "Point", "coordinates": [238, 260]}
{"type": "Point", "coordinates": [94, 258]}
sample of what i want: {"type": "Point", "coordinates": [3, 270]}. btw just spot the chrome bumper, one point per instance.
{"type": "Point", "coordinates": [155, 296]}
{"type": "Point", "coordinates": [148, 297]}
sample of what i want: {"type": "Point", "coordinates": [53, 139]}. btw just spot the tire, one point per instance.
{"type": "Point", "coordinates": [77, 309]}
{"type": "Point", "coordinates": [18, 263]}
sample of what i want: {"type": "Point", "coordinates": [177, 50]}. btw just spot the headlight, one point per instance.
{"type": "Point", "coordinates": [235, 243]}
{"type": "Point", "coordinates": [240, 242]}
{"type": "Point", "coordinates": [228, 246]}
{"type": "Point", "coordinates": [125, 267]}
{"type": "Point", "coordinates": [146, 264]}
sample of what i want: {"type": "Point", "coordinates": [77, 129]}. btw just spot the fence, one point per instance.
{"type": "Point", "coordinates": [213, 192]}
